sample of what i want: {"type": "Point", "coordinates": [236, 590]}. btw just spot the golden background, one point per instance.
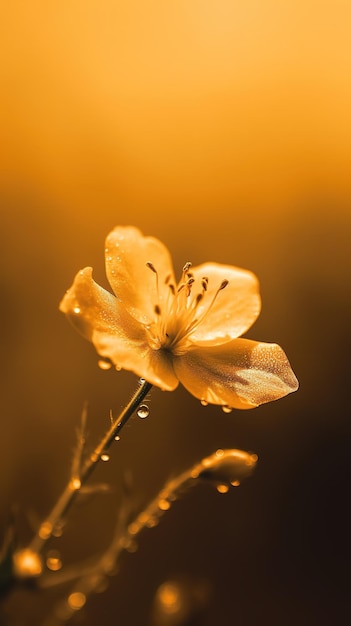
{"type": "Point", "coordinates": [224, 129]}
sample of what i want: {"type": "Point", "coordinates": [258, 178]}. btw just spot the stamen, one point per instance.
{"type": "Point", "coordinates": [195, 323]}
{"type": "Point", "coordinates": [204, 283]}
{"type": "Point", "coordinates": [186, 269]}
{"type": "Point", "coordinates": [154, 270]}
{"type": "Point", "coordinates": [189, 285]}
{"type": "Point", "coordinates": [151, 267]}
{"type": "Point", "coordinates": [157, 309]}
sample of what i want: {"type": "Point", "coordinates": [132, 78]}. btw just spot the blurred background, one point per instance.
{"type": "Point", "coordinates": [224, 129]}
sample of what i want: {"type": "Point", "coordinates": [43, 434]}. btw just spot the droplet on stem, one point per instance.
{"type": "Point", "coordinates": [143, 411]}
{"type": "Point", "coordinates": [105, 457]}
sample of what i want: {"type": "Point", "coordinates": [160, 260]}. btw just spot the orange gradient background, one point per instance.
{"type": "Point", "coordinates": [224, 129]}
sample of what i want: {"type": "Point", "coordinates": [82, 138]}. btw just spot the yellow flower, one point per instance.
{"type": "Point", "coordinates": [166, 332]}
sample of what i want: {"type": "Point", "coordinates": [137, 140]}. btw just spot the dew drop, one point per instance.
{"type": "Point", "coordinates": [27, 563]}
{"type": "Point", "coordinates": [104, 365]}
{"type": "Point", "coordinates": [143, 411]}
{"type": "Point", "coordinates": [118, 368]}
{"type": "Point", "coordinates": [117, 438]}
{"type": "Point", "coordinates": [226, 409]}
{"type": "Point", "coordinates": [204, 402]}
{"type": "Point", "coordinates": [53, 560]}
{"type": "Point", "coordinates": [76, 310]}
{"type": "Point", "coordinates": [164, 504]}
{"type": "Point", "coordinates": [75, 484]}
{"type": "Point", "coordinates": [105, 457]}
{"type": "Point", "coordinates": [222, 488]}
{"type": "Point", "coordinates": [235, 483]}
{"type": "Point", "coordinates": [141, 381]}
{"type": "Point", "coordinates": [76, 600]}
{"type": "Point", "coordinates": [45, 530]}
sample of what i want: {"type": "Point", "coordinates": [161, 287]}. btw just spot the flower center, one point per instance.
{"type": "Point", "coordinates": [177, 315]}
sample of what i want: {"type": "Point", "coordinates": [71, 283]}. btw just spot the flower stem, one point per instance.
{"type": "Point", "coordinates": [76, 482]}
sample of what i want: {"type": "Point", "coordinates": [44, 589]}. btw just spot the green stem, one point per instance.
{"type": "Point", "coordinates": [75, 483]}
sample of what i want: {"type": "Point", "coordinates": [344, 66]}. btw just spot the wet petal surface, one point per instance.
{"type": "Point", "coordinates": [241, 374]}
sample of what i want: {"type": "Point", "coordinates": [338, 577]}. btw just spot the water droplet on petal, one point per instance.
{"type": "Point", "coordinates": [143, 411]}
{"type": "Point", "coordinates": [235, 483]}
{"type": "Point", "coordinates": [105, 457]}
{"type": "Point", "coordinates": [104, 365]}
{"type": "Point", "coordinates": [222, 488]}
{"type": "Point", "coordinates": [141, 381]}
{"type": "Point", "coordinates": [118, 368]}
{"type": "Point", "coordinates": [76, 310]}
{"type": "Point", "coordinates": [204, 402]}
{"type": "Point", "coordinates": [226, 409]}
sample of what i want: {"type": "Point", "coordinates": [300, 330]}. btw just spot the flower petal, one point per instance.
{"type": "Point", "coordinates": [235, 308]}
{"type": "Point", "coordinates": [241, 374]}
{"type": "Point", "coordinates": [102, 319]}
{"type": "Point", "coordinates": [136, 285]}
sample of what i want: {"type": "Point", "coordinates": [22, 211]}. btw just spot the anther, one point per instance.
{"type": "Point", "coordinates": [187, 267]}
{"type": "Point", "coordinates": [204, 283]}
{"type": "Point", "coordinates": [157, 309]}
{"type": "Point", "coordinates": [151, 267]}
{"type": "Point", "coordinates": [223, 284]}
